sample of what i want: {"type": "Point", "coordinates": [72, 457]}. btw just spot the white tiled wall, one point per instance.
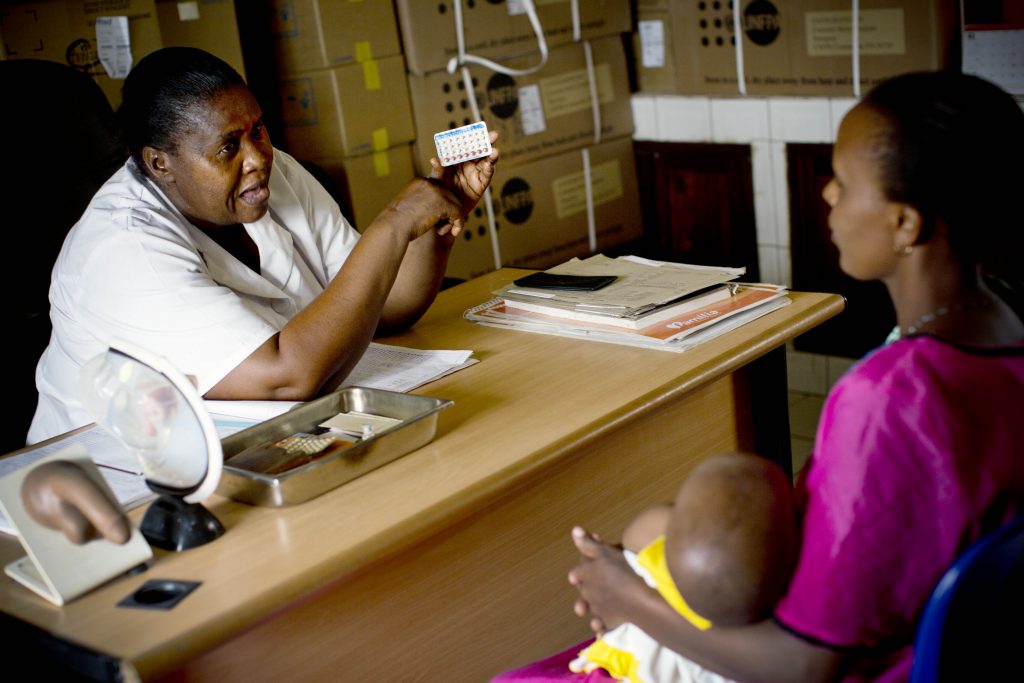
{"type": "Point", "coordinates": [766, 124]}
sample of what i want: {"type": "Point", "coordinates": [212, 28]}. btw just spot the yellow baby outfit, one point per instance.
{"type": "Point", "coordinates": [629, 654]}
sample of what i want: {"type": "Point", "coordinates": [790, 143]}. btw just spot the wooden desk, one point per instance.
{"type": "Point", "coordinates": [448, 564]}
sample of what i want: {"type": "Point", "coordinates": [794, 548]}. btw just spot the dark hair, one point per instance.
{"type": "Point", "coordinates": [953, 148]}
{"type": "Point", "coordinates": [162, 90]}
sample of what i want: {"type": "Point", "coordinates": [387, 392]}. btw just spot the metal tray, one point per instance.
{"type": "Point", "coordinates": [419, 415]}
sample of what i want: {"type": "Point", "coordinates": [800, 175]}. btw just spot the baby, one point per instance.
{"type": "Point", "coordinates": [728, 545]}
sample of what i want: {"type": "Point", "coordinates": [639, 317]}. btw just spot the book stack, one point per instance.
{"type": "Point", "coordinates": [652, 304]}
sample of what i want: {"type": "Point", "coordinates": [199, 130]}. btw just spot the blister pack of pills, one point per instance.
{"type": "Point", "coordinates": [462, 144]}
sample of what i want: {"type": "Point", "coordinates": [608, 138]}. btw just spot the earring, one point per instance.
{"type": "Point", "coordinates": [904, 250]}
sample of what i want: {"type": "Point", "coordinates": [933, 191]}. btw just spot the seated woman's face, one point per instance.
{"type": "Point", "coordinates": [862, 221]}
{"type": "Point", "coordinates": [221, 167]}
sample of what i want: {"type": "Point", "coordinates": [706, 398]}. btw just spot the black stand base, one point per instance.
{"type": "Point", "coordinates": [172, 524]}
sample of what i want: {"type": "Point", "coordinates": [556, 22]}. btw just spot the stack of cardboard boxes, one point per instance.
{"type": "Point", "coordinates": [65, 31]}
{"type": "Point", "coordinates": [348, 102]}
{"type": "Point", "coordinates": [209, 25]}
{"type": "Point", "coordinates": [348, 106]}
{"type": "Point", "coordinates": [792, 48]}
{"type": "Point", "coordinates": [343, 96]}
{"type": "Point", "coordinates": [546, 119]}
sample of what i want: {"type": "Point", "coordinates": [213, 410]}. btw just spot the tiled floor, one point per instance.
{"type": "Point", "coordinates": [810, 378]}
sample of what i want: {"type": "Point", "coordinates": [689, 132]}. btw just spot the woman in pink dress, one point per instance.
{"type": "Point", "coordinates": [920, 447]}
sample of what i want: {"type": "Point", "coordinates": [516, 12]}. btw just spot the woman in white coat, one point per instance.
{"type": "Point", "coordinates": [222, 254]}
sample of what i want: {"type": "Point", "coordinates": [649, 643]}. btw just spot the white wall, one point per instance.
{"type": "Point", "coordinates": [766, 124]}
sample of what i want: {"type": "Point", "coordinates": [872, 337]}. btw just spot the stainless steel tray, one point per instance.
{"type": "Point", "coordinates": [419, 415]}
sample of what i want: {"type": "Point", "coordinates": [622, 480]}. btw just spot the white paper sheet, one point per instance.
{"type": "Point", "coordinates": [394, 368]}
{"type": "Point", "coordinates": [114, 45]}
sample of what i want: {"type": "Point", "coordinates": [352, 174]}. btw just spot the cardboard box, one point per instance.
{"type": "Point", "coordinates": [536, 115]}
{"type": "Point", "coordinates": [209, 25]}
{"type": "Point", "coordinates": [65, 31]}
{"type": "Point", "coordinates": [320, 34]}
{"type": "Point", "coordinates": [497, 29]}
{"type": "Point", "coordinates": [369, 182]}
{"type": "Point", "coordinates": [541, 212]}
{"type": "Point", "coordinates": [652, 47]}
{"type": "Point", "coordinates": [346, 111]}
{"type": "Point", "coordinates": [796, 48]}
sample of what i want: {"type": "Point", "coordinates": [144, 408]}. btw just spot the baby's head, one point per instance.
{"type": "Point", "coordinates": [731, 539]}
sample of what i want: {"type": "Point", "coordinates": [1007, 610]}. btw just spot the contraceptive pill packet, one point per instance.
{"type": "Point", "coordinates": [462, 144]}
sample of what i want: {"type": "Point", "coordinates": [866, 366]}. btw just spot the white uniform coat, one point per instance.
{"type": "Point", "coordinates": [134, 268]}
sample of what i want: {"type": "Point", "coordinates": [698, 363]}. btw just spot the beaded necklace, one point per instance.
{"type": "Point", "coordinates": [930, 316]}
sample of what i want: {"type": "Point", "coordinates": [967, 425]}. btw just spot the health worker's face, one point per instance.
{"type": "Point", "coordinates": [220, 171]}
{"type": "Point", "coordinates": [863, 222]}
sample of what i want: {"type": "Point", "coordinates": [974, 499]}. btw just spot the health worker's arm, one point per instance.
{"type": "Point", "coordinates": [317, 348]}
{"type": "Point", "coordinates": [422, 270]}
{"type": "Point", "coordinates": [387, 282]}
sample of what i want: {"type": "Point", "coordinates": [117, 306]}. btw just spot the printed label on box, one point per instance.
{"type": "Point", "coordinates": [569, 92]}
{"type": "Point", "coordinates": [188, 11]}
{"type": "Point", "coordinates": [652, 44]}
{"type": "Point", "coordinates": [284, 23]}
{"type": "Point", "coordinates": [298, 106]}
{"type": "Point", "coordinates": [114, 45]}
{"type": "Point", "coordinates": [531, 111]}
{"type": "Point", "coordinates": [517, 7]}
{"type": "Point", "coordinates": [571, 193]}
{"type": "Point", "coordinates": [881, 33]}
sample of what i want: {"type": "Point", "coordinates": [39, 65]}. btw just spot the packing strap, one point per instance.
{"type": "Point", "coordinates": [463, 58]}
{"type": "Point", "coordinates": [595, 104]}
{"type": "Point", "coordinates": [595, 107]}
{"type": "Point", "coordinates": [474, 107]}
{"type": "Point", "coordinates": [855, 45]}
{"type": "Point", "coordinates": [588, 190]}
{"type": "Point", "coordinates": [737, 33]}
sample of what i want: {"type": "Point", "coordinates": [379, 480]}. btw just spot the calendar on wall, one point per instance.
{"type": "Point", "coordinates": [997, 55]}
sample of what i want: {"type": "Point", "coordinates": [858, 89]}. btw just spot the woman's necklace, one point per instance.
{"type": "Point", "coordinates": [933, 315]}
{"type": "Point", "coordinates": [930, 316]}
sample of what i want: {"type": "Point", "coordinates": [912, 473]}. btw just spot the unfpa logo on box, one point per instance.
{"type": "Point", "coordinates": [761, 22]}
{"type": "Point", "coordinates": [516, 201]}
{"type": "Point", "coordinates": [502, 95]}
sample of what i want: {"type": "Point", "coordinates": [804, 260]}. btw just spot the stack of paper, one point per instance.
{"type": "Point", "coordinates": [651, 304]}
{"type": "Point", "coordinates": [642, 288]}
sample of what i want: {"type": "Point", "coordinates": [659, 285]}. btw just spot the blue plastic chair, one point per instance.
{"type": "Point", "coordinates": [973, 624]}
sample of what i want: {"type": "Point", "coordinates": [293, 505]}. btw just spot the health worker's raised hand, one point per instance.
{"type": "Point", "coordinates": [468, 180]}
{"type": "Point", "coordinates": [425, 204]}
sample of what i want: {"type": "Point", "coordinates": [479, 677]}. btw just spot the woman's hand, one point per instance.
{"type": "Point", "coordinates": [607, 584]}
{"type": "Point", "coordinates": [425, 204]}
{"type": "Point", "coordinates": [467, 180]}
